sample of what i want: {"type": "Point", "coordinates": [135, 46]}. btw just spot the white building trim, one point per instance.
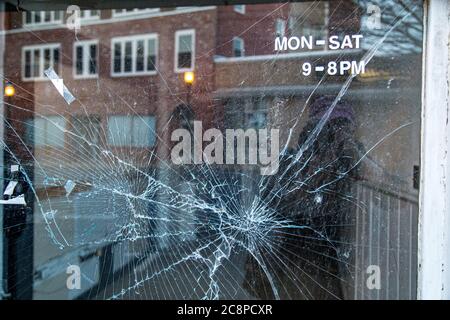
{"type": "Point", "coordinates": [122, 12]}
{"type": "Point", "coordinates": [434, 215]}
{"type": "Point", "coordinates": [178, 34]}
{"type": "Point", "coordinates": [134, 39]}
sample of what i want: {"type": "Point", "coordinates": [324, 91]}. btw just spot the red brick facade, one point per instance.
{"type": "Point", "coordinates": [157, 95]}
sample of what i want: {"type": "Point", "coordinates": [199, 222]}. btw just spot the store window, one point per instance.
{"type": "Point", "coordinates": [31, 18]}
{"type": "Point", "coordinates": [36, 59]}
{"type": "Point", "coordinates": [86, 58]}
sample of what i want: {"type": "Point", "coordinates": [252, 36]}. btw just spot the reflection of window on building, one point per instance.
{"type": "Point", "coordinates": [304, 28]}
{"type": "Point", "coordinates": [41, 17]}
{"type": "Point", "coordinates": [89, 14]}
{"type": "Point", "coordinates": [238, 47]}
{"type": "Point", "coordinates": [85, 59]}
{"type": "Point", "coordinates": [137, 131]}
{"type": "Point", "coordinates": [86, 134]}
{"type": "Point", "coordinates": [134, 55]}
{"type": "Point", "coordinates": [126, 12]}
{"type": "Point", "coordinates": [239, 8]}
{"type": "Point", "coordinates": [184, 50]}
{"type": "Point", "coordinates": [47, 132]}
{"type": "Point", "coordinates": [36, 59]}
{"type": "Point", "coordinates": [280, 28]}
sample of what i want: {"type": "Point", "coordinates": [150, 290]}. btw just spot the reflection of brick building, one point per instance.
{"type": "Point", "coordinates": [123, 63]}
{"type": "Point", "coordinates": [133, 55]}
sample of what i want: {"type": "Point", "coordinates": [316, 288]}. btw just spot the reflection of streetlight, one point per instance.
{"type": "Point", "coordinates": [189, 78]}
{"type": "Point", "coordinates": [9, 90]}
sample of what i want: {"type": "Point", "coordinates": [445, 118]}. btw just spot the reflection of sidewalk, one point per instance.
{"type": "Point", "coordinates": [167, 278]}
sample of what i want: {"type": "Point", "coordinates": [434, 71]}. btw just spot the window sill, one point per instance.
{"type": "Point", "coordinates": [134, 74]}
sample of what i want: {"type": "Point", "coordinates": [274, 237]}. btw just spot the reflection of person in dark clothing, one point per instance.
{"type": "Point", "coordinates": [314, 191]}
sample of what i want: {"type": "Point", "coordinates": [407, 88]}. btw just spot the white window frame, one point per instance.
{"type": "Point", "coordinates": [41, 47]}
{"type": "Point", "coordinates": [434, 212]}
{"type": "Point", "coordinates": [136, 11]}
{"type": "Point", "coordinates": [242, 42]}
{"type": "Point", "coordinates": [178, 34]}
{"type": "Point", "coordinates": [85, 44]}
{"type": "Point", "coordinates": [277, 23]}
{"type": "Point", "coordinates": [134, 39]}
{"type": "Point", "coordinates": [239, 8]}
{"type": "Point", "coordinates": [43, 22]}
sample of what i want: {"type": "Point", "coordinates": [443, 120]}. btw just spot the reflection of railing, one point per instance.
{"type": "Point", "coordinates": [386, 237]}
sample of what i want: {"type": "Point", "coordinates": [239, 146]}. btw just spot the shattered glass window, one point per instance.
{"type": "Point", "coordinates": [254, 151]}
